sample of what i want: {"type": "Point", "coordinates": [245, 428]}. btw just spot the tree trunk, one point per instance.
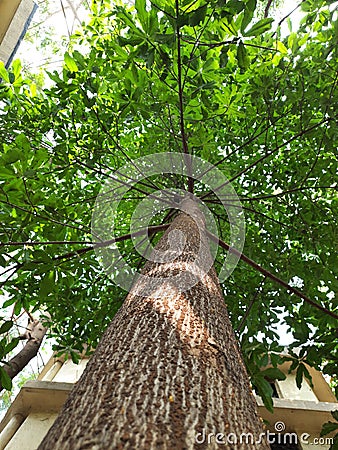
{"type": "Point", "coordinates": [167, 372]}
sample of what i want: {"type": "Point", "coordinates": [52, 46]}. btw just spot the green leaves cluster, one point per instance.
{"type": "Point", "coordinates": [330, 427]}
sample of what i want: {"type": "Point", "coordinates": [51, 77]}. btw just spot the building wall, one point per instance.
{"type": "Point", "coordinates": [300, 413]}
{"type": "Point", "coordinates": [15, 16]}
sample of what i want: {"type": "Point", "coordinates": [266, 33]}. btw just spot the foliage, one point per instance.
{"type": "Point", "coordinates": [8, 395]}
{"type": "Point", "coordinates": [209, 78]}
{"type": "Point", "coordinates": [330, 427]}
{"type": "Point", "coordinates": [49, 36]}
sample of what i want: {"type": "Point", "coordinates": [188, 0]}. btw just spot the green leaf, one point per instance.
{"type": "Point", "coordinates": [260, 27]}
{"type": "Point", "coordinates": [132, 40]}
{"type": "Point", "coordinates": [248, 14]}
{"type": "Point", "coordinates": [307, 375]}
{"type": "Point", "coordinates": [334, 414]}
{"type": "Point", "coordinates": [2, 261]}
{"type": "Point", "coordinates": [70, 63]}
{"type": "Point", "coordinates": [328, 427]}
{"type": "Point", "coordinates": [183, 19]}
{"type": "Point", "coordinates": [281, 48]}
{"type": "Point", "coordinates": [6, 173]}
{"type": "Point", "coordinates": [230, 26]}
{"type": "Point", "coordinates": [6, 326]}
{"type": "Point", "coordinates": [140, 6]}
{"type": "Point", "coordinates": [75, 357]}
{"type": "Point", "coordinates": [79, 58]}
{"type": "Point", "coordinates": [23, 142]}
{"type": "Point", "coordinates": [274, 374]}
{"type": "Point", "coordinates": [289, 22]}
{"type": "Point", "coordinates": [242, 57]}
{"type": "Point", "coordinates": [128, 20]}
{"type": "Point", "coordinates": [223, 57]}
{"type": "Point", "coordinates": [16, 67]}
{"type": "Point", "coordinates": [196, 17]}
{"type": "Point", "coordinates": [251, 5]}
{"type": "Point", "coordinates": [5, 380]}
{"type": "Point", "coordinates": [168, 39]}
{"type": "Point", "coordinates": [11, 156]}
{"type": "Point", "coordinates": [265, 391]}
{"type": "Point", "coordinates": [17, 308]}
{"type": "Point", "coordinates": [235, 6]}
{"type": "Point", "coordinates": [47, 284]}
{"type": "Point", "coordinates": [11, 346]}
{"type": "Point", "coordinates": [299, 375]}
{"type": "Point", "coordinates": [3, 72]}
{"type": "Point", "coordinates": [54, 76]}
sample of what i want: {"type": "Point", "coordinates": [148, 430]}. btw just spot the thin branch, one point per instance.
{"type": "Point", "coordinates": [195, 44]}
{"type": "Point", "coordinates": [248, 310]}
{"type": "Point", "coordinates": [288, 15]}
{"type": "Point", "coordinates": [246, 143]}
{"type": "Point", "coordinates": [162, 10]}
{"type": "Point", "coordinates": [81, 251]}
{"type": "Point", "coordinates": [267, 155]}
{"type": "Point", "coordinates": [48, 219]}
{"type": "Point", "coordinates": [322, 139]}
{"type": "Point", "coordinates": [125, 183]}
{"type": "Point", "coordinates": [150, 230]}
{"type": "Point", "coordinates": [35, 243]}
{"type": "Point", "coordinates": [180, 97]}
{"type": "Point", "coordinates": [281, 194]}
{"type": "Point", "coordinates": [34, 334]}
{"type": "Point", "coordinates": [266, 11]}
{"type": "Point", "coordinates": [218, 202]}
{"type": "Point", "coordinates": [117, 144]}
{"type": "Point", "coordinates": [93, 245]}
{"type": "Point", "coordinates": [14, 271]}
{"type": "Point", "coordinates": [222, 43]}
{"type": "Point", "coordinates": [270, 275]}
{"type": "Point", "coordinates": [65, 17]}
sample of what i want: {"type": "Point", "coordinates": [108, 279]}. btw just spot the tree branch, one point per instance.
{"type": "Point", "coordinates": [34, 334]}
{"type": "Point", "coordinates": [267, 155]}
{"type": "Point", "coordinates": [266, 11]}
{"type": "Point", "coordinates": [281, 194]}
{"type": "Point", "coordinates": [270, 275]}
{"type": "Point", "coordinates": [247, 312]}
{"type": "Point", "coordinates": [180, 98]}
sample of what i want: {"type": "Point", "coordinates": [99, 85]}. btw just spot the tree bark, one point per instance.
{"type": "Point", "coordinates": [168, 370]}
{"type": "Point", "coordinates": [34, 334]}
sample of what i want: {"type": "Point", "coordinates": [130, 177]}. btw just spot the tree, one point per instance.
{"type": "Point", "coordinates": [207, 80]}
{"type": "Point", "coordinates": [34, 334]}
{"type": "Point", "coordinates": [174, 367]}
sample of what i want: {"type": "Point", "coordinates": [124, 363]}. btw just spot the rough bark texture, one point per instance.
{"type": "Point", "coordinates": [34, 334]}
{"type": "Point", "coordinates": [167, 368]}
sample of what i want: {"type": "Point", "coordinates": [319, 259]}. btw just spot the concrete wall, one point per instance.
{"type": "Point", "coordinates": [14, 18]}
{"type": "Point", "coordinates": [300, 413]}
